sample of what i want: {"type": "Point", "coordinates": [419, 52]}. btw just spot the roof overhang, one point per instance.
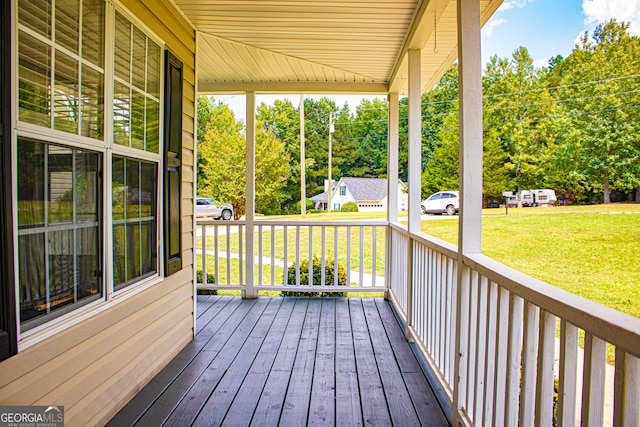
{"type": "Point", "coordinates": [330, 46]}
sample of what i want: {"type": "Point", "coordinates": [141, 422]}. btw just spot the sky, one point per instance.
{"type": "Point", "coordinates": [545, 27]}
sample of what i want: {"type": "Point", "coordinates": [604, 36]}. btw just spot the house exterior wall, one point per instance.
{"type": "Point", "coordinates": [93, 363]}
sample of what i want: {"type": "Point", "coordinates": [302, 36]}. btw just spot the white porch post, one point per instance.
{"type": "Point", "coordinates": [250, 203]}
{"type": "Point", "coordinates": [470, 157]}
{"type": "Point", "coordinates": [415, 170]}
{"type": "Point", "coordinates": [392, 179]}
{"type": "Point", "coordinates": [392, 158]}
{"type": "Point", "coordinates": [415, 140]}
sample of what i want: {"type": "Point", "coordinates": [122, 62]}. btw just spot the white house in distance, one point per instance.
{"type": "Point", "coordinates": [370, 194]}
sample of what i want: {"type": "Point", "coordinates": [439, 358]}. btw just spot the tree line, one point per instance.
{"type": "Point", "coordinates": [572, 126]}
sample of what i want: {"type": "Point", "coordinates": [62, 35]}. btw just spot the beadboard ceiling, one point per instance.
{"type": "Point", "coordinates": [322, 46]}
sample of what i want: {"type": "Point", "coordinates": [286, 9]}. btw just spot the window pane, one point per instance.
{"type": "Point", "coordinates": [36, 15]}
{"type": "Point", "coordinates": [121, 112]}
{"type": "Point", "coordinates": [87, 186]}
{"type": "Point", "coordinates": [65, 94]}
{"type": "Point", "coordinates": [92, 103]}
{"type": "Point", "coordinates": [139, 59]}
{"type": "Point", "coordinates": [93, 31]}
{"type": "Point", "coordinates": [119, 254]}
{"type": "Point", "coordinates": [61, 269]}
{"type": "Point", "coordinates": [153, 125]}
{"type": "Point", "coordinates": [34, 81]}
{"type": "Point", "coordinates": [137, 120]}
{"type": "Point", "coordinates": [119, 188]}
{"type": "Point", "coordinates": [122, 48]}
{"type": "Point", "coordinates": [31, 260]}
{"type": "Point", "coordinates": [133, 189]}
{"type": "Point", "coordinates": [60, 179]}
{"type": "Point", "coordinates": [148, 243]}
{"type": "Point", "coordinates": [88, 262]}
{"type": "Point", "coordinates": [68, 24]}
{"type": "Point", "coordinates": [153, 69]}
{"type": "Point", "coordinates": [31, 183]}
{"type": "Point", "coordinates": [134, 267]}
{"type": "Point", "coordinates": [148, 191]}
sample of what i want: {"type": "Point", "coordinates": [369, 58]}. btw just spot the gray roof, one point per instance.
{"type": "Point", "coordinates": [322, 197]}
{"type": "Point", "coordinates": [366, 189]}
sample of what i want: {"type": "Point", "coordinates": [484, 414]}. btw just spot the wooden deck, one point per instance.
{"type": "Point", "coordinates": [289, 361]}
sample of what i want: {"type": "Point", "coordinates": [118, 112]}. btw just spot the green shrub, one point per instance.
{"type": "Point", "coordinates": [317, 277]}
{"type": "Point", "coordinates": [349, 207]}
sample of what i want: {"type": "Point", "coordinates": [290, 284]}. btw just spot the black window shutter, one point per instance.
{"type": "Point", "coordinates": [172, 164]}
{"type": "Point", "coordinates": [8, 327]}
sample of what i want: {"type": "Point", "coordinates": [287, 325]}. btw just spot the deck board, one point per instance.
{"type": "Point", "coordinates": [289, 361]}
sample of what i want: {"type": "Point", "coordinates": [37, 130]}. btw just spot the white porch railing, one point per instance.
{"type": "Point", "coordinates": [353, 252]}
{"type": "Point", "coordinates": [514, 335]}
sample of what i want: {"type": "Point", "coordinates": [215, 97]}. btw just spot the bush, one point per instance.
{"type": "Point", "coordinates": [310, 204]}
{"type": "Point", "coordinates": [317, 277]}
{"type": "Point", "coordinates": [349, 207]}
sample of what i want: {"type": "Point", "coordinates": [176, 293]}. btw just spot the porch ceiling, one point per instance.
{"type": "Point", "coordinates": [310, 46]}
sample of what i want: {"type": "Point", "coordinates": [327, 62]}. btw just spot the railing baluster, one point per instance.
{"type": "Point", "coordinates": [240, 245]}
{"type": "Point", "coordinates": [544, 383]}
{"type": "Point", "coordinates": [348, 256]}
{"type": "Point", "coordinates": [595, 354]}
{"type": "Point", "coordinates": [216, 267]}
{"type": "Point", "coordinates": [204, 255]}
{"type": "Point", "coordinates": [259, 254]}
{"type": "Point", "coordinates": [513, 360]}
{"type": "Point", "coordinates": [374, 255]}
{"type": "Point", "coordinates": [310, 231]}
{"type": "Point", "coordinates": [481, 345]}
{"type": "Point", "coordinates": [324, 256]}
{"type": "Point", "coordinates": [335, 257]}
{"type": "Point", "coordinates": [529, 351]}
{"type": "Point", "coordinates": [273, 255]}
{"type": "Point", "coordinates": [627, 390]}
{"type": "Point", "coordinates": [502, 345]}
{"type": "Point", "coordinates": [228, 236]}
{"type": "Point", "coordinates": [361, 282]}
{"type": "Point", "coordinates": [297, 255]}
{"type": "Point", "coordinates": [471, 343]}
{"type": "Point", "coordinates": [285, 238]}
{"type": "Point", "coordinates": [567, 380]}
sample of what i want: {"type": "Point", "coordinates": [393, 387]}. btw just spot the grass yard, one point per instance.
{"type": "Point", "coordinates": [591, 251]}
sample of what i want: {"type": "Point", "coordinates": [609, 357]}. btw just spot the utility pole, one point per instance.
{"type": "Point", "coordinates": [330, 149]}
{"type": "Point", "coordinates": [303, 182]}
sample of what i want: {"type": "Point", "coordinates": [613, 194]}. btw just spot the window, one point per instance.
{"type": "Point", "coordinates": [61, 192]}
{"type": "Point", "coordinates": [61, 71]}
{"type": "Point", "coordinates": [59, 261]}
{"type": "Point", "coordinates": [134, 220]}
{"type": "Point", "coordinates": [136, 98]}
{"type": "Point", "coordinates": [343, 190]}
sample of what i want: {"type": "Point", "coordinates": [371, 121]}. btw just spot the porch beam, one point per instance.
{"type": "Point", "coordinates": [415, 140]}
{"type": "Point", "coordinates": [344, 88]}
{"type": "Point", "coordinates": [250, 190]}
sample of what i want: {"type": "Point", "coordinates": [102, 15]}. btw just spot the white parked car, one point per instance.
{"type": "Point", "coordinates": [207, 208]}
{"type": "Point", "coordinates": [441, 202]}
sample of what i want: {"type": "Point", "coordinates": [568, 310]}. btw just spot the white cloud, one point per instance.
{"type": "Point", "coordinates": [487, 30]}
{"type": "Point", "coordinates": [597, 11]}
{"type": "Point", "coordinates": [538, 63]}
{"type": "Point", "coordinates": [510, 4]}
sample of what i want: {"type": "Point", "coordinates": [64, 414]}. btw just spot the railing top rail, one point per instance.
{"type": "Point", "coordinates": [615, 327]}
{"type": "Point", "coordinates": [319, 223]}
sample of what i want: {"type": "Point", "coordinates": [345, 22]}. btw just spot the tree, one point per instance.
{"type": "Point", "coordinates": [223, 151]}
{"type": "Point", "coordinates": [599, 94]}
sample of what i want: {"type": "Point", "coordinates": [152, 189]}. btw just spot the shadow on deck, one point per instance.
{"type": "Point", "coordinates": [289, 361]}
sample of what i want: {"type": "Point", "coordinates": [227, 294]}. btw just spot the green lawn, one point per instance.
{"type": "Point", "coordinates": [589, 250]}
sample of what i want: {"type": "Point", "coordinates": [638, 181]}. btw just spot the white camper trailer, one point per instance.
{"type": "Point", "coordinates": [539, 197]}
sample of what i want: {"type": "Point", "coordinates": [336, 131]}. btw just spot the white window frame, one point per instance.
{"type": "Point", "coordinates": [107, 148]}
